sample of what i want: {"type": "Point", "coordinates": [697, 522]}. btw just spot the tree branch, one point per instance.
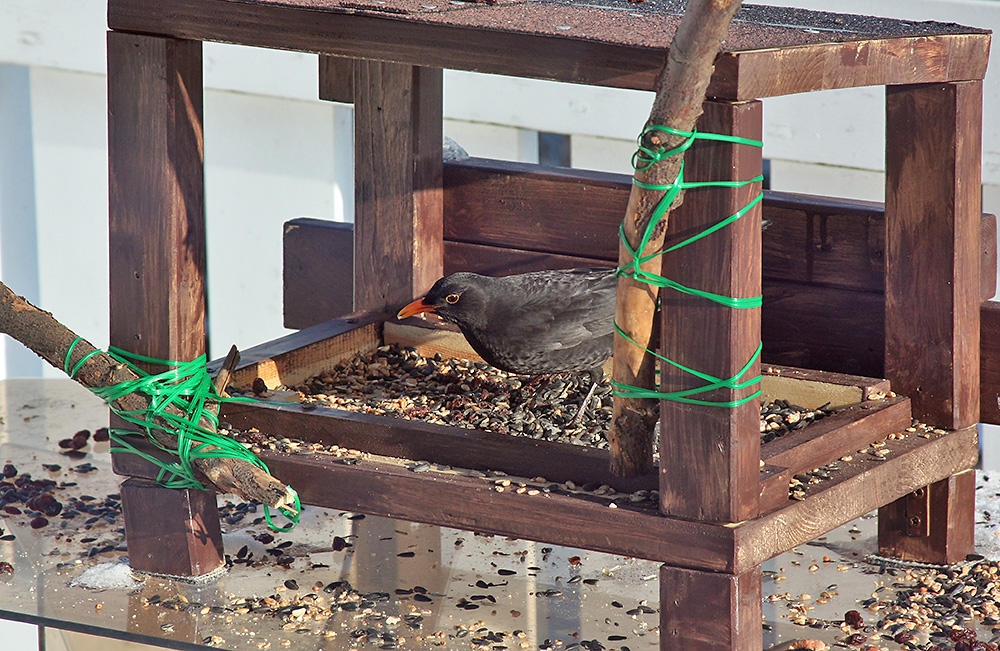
{"type": "Point", "coordinates": [39, 331]}
{"type": "Point", "coordinates": [680, 93]}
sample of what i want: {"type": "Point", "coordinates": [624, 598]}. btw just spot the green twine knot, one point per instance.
{"type": "Point", "coordinates": [188, 387]}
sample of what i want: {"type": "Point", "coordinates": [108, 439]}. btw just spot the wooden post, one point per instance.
{"type": "Point", "coordinates": [932, 211]}
{"type": "Point", "coordinates": [710, 456]}
{"type": "Point", "coordinates": [933, 524]}
{"type": "Point", "coordinates": [933, 208]}
{"type": "Point", "coordinates": [709, 611]}
{"type": "Point", "coordinates": [174, 532]}
{"type": "Point", "coordinates": [398, 224]}
{"type": "Point", "coordinates": [156, 235]}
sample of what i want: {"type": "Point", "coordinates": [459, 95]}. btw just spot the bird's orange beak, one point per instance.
{"type": "Point", "coordinates": [416, 307]}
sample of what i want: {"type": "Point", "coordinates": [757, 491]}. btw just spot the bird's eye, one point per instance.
{"type": "Point", "coordinates": [451, 298]}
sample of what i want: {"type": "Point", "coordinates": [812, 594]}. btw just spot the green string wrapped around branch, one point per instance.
{"type": "Point", "coordinates": [643, 159]}
{"type": "Point", "coordinates": [187, 387]}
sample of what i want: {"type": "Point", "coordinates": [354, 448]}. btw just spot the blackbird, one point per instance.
{"type": "Point", "coordinates": [535, 323]}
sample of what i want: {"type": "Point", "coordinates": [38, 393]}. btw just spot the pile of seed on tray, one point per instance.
{"type": "Point", "coordinates": [398, 381]}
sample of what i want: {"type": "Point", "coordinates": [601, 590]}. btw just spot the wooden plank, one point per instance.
{"type": "Point", "coordinates": [576, 213]}
{"type": "Point", "coordinates": [859, 487]}
{"type": "Point", "coordinates": [294, 358]}
{"type": "Point", "coordinates": [310, 297]}
{"type": "Point", "coordinates": [709, 456]}
{"type": "Point", "coordinates": [156, 226]}
{"type": "Point", "coordinates": [812, 326]}
{"type": "Point", "coordinates": [760, 69]}
{"type": "Point", "coordinates": [474, 504]}
{"type": "Point", "coordinates": [336, 79]}
{"type": "Point", "coordinates": [523, 206]}
{"type": "Point", "coordinates": [496, 261]}
{"type": "Point", "coordinates": [933, 208]}
{"type": "Point", "coordinates": [989, 358]}
{"type": "Point", "coordinates": [827, 440]}
{"type": "Point", "coordinates": [709, 611]}
{"type": "Point", "coordinates": [453, 446]}
{"type": "Point", "coordinates": [936, 526]}
{"type": "Point", "coordinates": [811, 389]}
{"type": "Point", "coordinates": [173, 532]}
{"type": "Point", "coordinates": [398, 248]}
{"type": "Point", "coordinates": [577, 520]}
{"type": "Point", "coordinates": [861, 63]}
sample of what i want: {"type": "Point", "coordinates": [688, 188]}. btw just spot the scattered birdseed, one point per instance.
{"type": "Point", "coordinates": [398, 381]}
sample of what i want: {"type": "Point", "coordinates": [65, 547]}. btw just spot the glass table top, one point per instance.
{"type": "Point", "coordinates": [349, 581]}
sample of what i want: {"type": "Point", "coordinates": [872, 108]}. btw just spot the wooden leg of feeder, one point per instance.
{"type": "Point", "coordinates": [157, 209]}
{"type": "Point", "coordinates": [710, 611]}
{"type": "Point", "coordinates": [710, 455]}
{"type": "Point", "coordinates": [398, 171]}
{"type": "Point", "coordinates": [933, 208]}
{"type": "Point", "coordinates": [157, 263]}
{"type": "Point", "coordinates": [169, 531]}
{"type": "Point", "coordinates": [933, 524]}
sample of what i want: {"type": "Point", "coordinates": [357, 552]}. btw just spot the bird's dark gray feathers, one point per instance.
{"type": "Point", "coordinates": [535, 323]}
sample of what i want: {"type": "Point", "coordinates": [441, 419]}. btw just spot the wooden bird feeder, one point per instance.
{"type": "Point", "coordinates": [852, 290]}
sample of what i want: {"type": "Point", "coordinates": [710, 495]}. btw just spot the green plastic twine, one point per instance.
{"type": "Point", "coordinates": [188, 387]}
{"type": "Point", "coordinates": [643, 159]}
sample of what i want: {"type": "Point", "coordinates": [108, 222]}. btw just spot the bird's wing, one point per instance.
{"type": "Point", "coordinates": [562, 310]}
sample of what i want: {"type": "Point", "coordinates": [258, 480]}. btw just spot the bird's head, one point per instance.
{"type": "Point", "coordinates": [458, 298]}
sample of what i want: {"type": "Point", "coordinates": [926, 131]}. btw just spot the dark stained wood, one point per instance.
{"type": "Point", "coordinates": [398, 249]}
{"type": "Point", "coordinates": [174, 532]}
{"type": "Point", "coordinates": [317, 271]}
{"type": "Point", "coordinates": [453, 446]}
{"type": "Point", "coordinates": [157, 210]}
{"type": "Point", "coordinates": [933, 208]}
{"type": "Point", "coordinates": [989, 358]}
{"type": "Point", "coordinates": [475, 504]}
{"type": "Point", "coordinates": [415, 38]}
{"type": "Point", "coordinates": [862, 484]}
{"type": "Point", "coordinates": [156, 237]}
{"type": "Point", "coordinates": [336, 79]}
{"type": "Point", "coordinates": [826, 440]}
{"type": "Point", "coordinates": [935, 527]}
{"type": "Point", "coordinates": [380, 488]}
{"type": "Point", "coordinates": [709, 611]}
{"type": "Point", "coordinates": [496, 261]}
{"type": "Point", "coordinates": [576, 213]}
{"type": "Point", "coordinates": [709, 456]}
{"type": "Point", "coordinates": [813, 326]}
{"type": "Point", "coordinates": [988, 262]}
{"type": "Point", "coordinates": [824, 67]}
{"type": "Point", "coordinates": [524, 206]}
{"type": "Point", "coordinates": [377, 487]}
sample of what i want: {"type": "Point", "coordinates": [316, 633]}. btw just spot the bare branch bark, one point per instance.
{"type": "Point", "coordinates": [49, 339]}
{"type": "Point", "coordinates": [680, 93]}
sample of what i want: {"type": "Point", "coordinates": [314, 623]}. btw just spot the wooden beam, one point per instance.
{"type": "Point", "coordinates": [157, 211]}
{"type": "Point", "coordinates": [336, 79]}
{"type": "Point", "coordinates": [709, 455]}
{"type": "Point", "coordinates": [398, 247]}
{"type": "Point", "coordinates": [500, 40]}
{"type": "Point", "coordinates": [933, 208]}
